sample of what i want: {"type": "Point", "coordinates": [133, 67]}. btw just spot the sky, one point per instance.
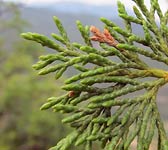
{"type": "Point", "coordinates": [128, 3]}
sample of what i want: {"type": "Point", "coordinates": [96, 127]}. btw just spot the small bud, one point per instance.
{"type": "Point", "coordinates": [71, 94]}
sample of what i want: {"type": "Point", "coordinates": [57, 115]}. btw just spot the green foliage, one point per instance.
{"type": "Point", "coordinates": [113, 114]}
{"type": "Point", "coordinates": [22, 125]}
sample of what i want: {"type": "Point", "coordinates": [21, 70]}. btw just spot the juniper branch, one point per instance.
{"type": "Point", "coordinates": [89, 106]}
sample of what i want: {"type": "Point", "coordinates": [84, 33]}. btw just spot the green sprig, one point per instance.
{"type": "Point", "coordinates": [98, 101]}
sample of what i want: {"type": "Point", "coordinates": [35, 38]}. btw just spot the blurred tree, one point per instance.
{"type": "Point", "coordinates": [22, 125]}
{"type": "Point", "coordinates": [11, 17]}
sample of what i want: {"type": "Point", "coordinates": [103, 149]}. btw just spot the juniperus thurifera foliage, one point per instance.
{"type": "Point", "coordinates": [89, 105]}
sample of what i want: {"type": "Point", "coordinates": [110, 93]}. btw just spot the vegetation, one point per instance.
{"type": "Point", "coordinates": [22, 125]}
{"type": "Point", "coordinates": [113, 114]}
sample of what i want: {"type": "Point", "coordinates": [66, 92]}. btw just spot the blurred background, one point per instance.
{"type": "Point", "coordinates": [22, 125]}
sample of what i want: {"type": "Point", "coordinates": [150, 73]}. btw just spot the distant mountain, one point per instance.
{"type": "Point", "coordinates": [41, 20]}
{"type": "Point", "coordinates": [79, 8]}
